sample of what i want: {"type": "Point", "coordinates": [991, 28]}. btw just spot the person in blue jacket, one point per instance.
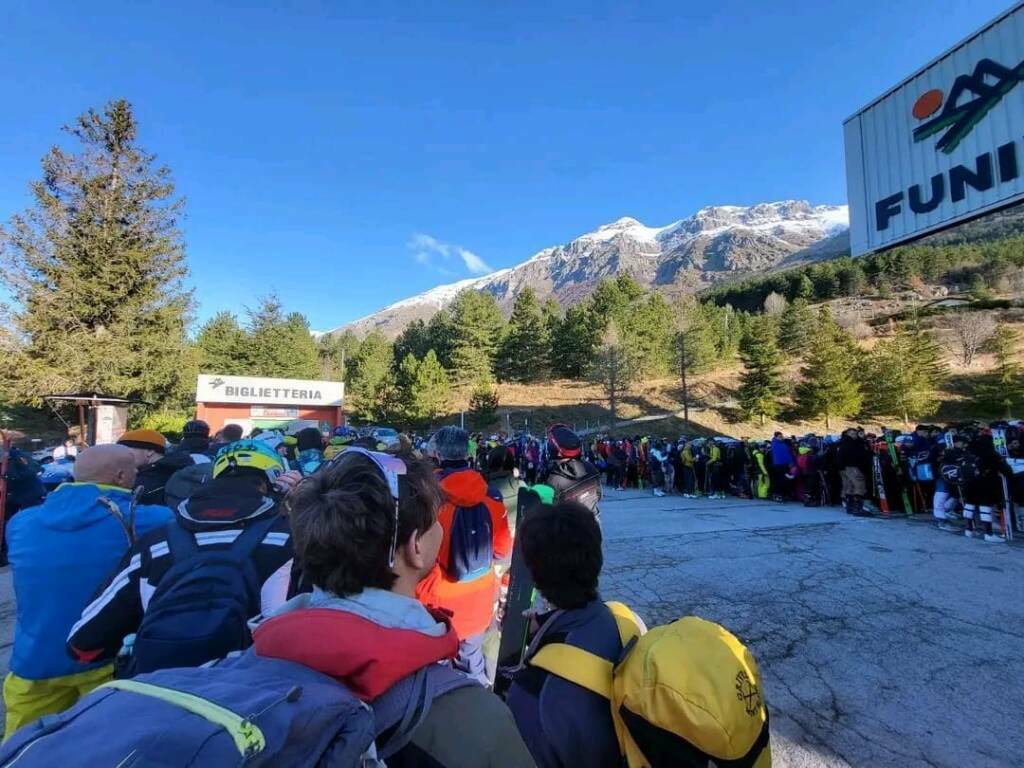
{"type": "Point", "coordinates": [563, 724]}
{"type": "Point", "coordinates": [782, 461]}
{"type": "Point", "coordinates": [61, 551]}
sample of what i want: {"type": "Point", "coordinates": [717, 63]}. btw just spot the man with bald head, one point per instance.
{"type": "Point", "coordinates": [60, 552]}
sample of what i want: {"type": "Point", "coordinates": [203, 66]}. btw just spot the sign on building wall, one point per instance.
{"type": "Point", "coordinates": [945, 145]}
{"type": "Point", "coordinates": [250, 390]}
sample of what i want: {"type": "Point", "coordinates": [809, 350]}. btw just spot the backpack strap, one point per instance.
{"type": "Point", "coordinates": [181, 543]}
{"type": "Point", "coordinates": [586, 669]}
{"type": "Point", "coordinates": [576, 665]}
{"type": "Point", "coordinates": [405, 706]}
{"type": "Point", "coordinates": [252, 536]}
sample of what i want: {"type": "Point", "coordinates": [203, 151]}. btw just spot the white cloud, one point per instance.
{"type": "Point", "coordinates": [431, 252]}
{"type": "Point", "coordinates": [474, 263]}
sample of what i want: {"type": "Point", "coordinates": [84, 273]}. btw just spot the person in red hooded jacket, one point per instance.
{"type": "Point", "coordinates": [476, 538]}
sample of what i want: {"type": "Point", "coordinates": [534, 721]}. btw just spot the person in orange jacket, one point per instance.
{"type": "Point", "coordinates": [476, 538]}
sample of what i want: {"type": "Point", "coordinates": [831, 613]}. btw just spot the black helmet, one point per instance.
{"type": "Point", "coordinates": [195, 428]}
{"type": "Point", "coordinates": [563, 442]}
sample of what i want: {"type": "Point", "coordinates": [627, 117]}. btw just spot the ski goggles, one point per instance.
{"type": "Point", "coordinates": [391, 467]}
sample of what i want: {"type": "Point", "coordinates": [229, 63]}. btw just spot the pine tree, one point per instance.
{"type": "Point", "coordinates": [423, 389]}
{"type": "Point", "coordinates": [698, 330]}
{"type": "Point", "coordinates": [761, 383]}
{"type": "Point", "coordinates": [483, 404]}
{"type": "Point", "coordinates": [413, 340]}
{"type": "Point", "coordinates": [281, 345]}
{"type": "Point", "coordinates": [336, 354]}
{"type": "Point", "coordinates": [830, 387]}
{"type": "Point", "coordinates": [477, 329]}
{"type": "Point", "coordinates": [796, 326]}
{"type": "Point", "coordinates": [522, 356]}
{"type": "Point", "coordinates": [551, 312]}
{"type": "Point", "coordinates": [903, 374]}
{"type": "Point", "coordinates": [371, 383]}
{"type": "Point", "coordinates": [222, 346]}
{"type": "Point", "coordinates": [804, 288]}
{"type": "Point", "coordinates": [1006, 389]}
{"type": "Point", "coordinates": [572, 346]}
{"type": "Point", "coordinates": [96, 268]}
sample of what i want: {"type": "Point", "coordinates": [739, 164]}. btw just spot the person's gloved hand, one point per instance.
{"type": "Point", "coordinates": [287, 481]}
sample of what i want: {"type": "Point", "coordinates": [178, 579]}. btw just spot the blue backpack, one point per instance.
{"type": "Point", "coordinates": [471, 551]}
{"type": "Point", "coordinates": [246, 710]}
{"type": "Point", "coordinates": [201, 608]}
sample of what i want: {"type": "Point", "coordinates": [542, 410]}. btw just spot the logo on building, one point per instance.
{"type": "Point", "coordinates": [984, 89]}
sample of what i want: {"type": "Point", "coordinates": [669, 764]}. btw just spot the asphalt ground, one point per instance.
{"type": "Point", "coordinates": [881, 642]}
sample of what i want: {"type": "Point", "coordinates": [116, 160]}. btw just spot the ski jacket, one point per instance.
{"type": "Point", "coordinates": [782, 455]}
{"type": "Point", "coordinates": [563, 724]}
{"type": "Point", "coordinates": [370, 641]}
{"type": "Point", "coordinates": [853, 452]}
{"type": "Point", "coordinates": [471, 603]}
{"type": "Point", "coordinates": [60, 552]}
{"type": "Point", "coordinates": [504, 487]}
{"type": "Point", "coordinates": [152, 478]}
{"type": "Point", "coordinates": [216, 515]}
{"type": "Point", "coordinates": [24, 488]}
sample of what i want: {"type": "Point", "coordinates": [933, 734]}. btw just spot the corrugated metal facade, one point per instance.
{"type": "Point", "coordinates": [901, 187]}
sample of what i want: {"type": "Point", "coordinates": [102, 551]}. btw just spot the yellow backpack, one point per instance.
{"type": "Point", "coordinates": [686, 694]}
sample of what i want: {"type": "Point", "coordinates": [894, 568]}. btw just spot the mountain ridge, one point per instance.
{"type": "Point", "coordinates": [713, 244]}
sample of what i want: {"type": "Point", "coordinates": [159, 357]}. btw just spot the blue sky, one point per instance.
{"type": "Point", "coordinates": [347, 155]}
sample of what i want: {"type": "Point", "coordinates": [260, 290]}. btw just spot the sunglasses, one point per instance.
{"type": "Point", "coordinates": [391, 467]}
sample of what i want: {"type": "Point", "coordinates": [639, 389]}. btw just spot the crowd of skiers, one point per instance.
{"type": "Point", "coordinates": [302, 601]}
{"type": "Point", "coordinates": [973, 472]}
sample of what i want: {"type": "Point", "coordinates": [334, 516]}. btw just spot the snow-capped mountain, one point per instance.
{"type": "Point", "coordinates": [716, 243]}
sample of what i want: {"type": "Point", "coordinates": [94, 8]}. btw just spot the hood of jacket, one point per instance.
{"type": "Point", "coordinates": [464, 487]}
{"type": "Point", "coordinates": [368, 641]}
{"type": "Point", "coordinates": [223, 502]}
{"type": "Point", "coordinates": [73, 506]}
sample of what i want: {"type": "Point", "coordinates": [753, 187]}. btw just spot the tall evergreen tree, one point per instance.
{"type": "Point", "coordinates": [1005, 389]}
{"type": "Point", "coordinates": [371, 381]}
{"type": "Point", "coordinates": [573, 344]}
{"type": "Point", "coordinates": [222, 346]}
{"type": "Point", "coordinates": [698, 331]}
{"type": "Point", "coordinates": [523, 352]}
{"type": "Point", "coordinates": [830, 387]}
{"type": "Point", "coordinates": [281, 345]}
{"type": "Point", "coordinates": [336, 354]}
{"type": "Point", "coordinates": [483, 404]}
{"type": "Point", "coordinates": [761, 383]}
{"type": "Point", "coordinates": [423, 389]}
{"type": "Point", "coordinates": [95, 268]}
{"type": "Point", "coordinates": [413, 340]}
{"type": "Point", "coordinates": [903, 374]}
{"type": "Point", "coordinates": [477, 329]}
{"type": "Point", "coordinates": [796, 327]}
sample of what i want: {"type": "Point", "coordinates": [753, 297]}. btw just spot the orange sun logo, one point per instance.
{"type": "Point", "coordinates": [927, 104]}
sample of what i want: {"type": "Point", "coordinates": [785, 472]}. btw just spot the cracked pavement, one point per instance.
{"type": "Point", "coordinates": [880, 642]}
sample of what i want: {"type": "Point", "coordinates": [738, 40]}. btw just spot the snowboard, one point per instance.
{"type": "Point", "coordinates": [897, 467]}
{"type": "Point", "coordinates": [876, 467]}
{"type": "Point", "coordinates": [514, 626]}
{"type": "Point", "coordinates": [1011, 515]}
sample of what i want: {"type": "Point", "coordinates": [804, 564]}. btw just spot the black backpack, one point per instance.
{"type": "Point", "coordinates": [201, 608]}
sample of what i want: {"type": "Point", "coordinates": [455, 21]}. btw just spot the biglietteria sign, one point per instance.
{"type": "Point", "coordinates": [211, 388]}
{"type": "Point", "coordinates": [945, 145]}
